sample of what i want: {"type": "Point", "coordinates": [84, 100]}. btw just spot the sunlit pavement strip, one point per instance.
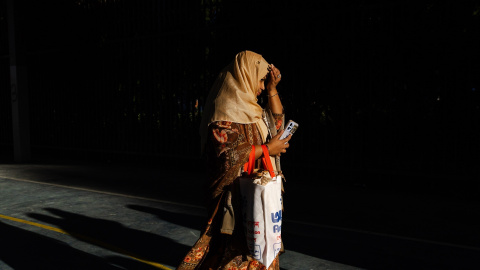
{"type": "Point", "coordinates": [297, 262]}
{"type": "Point", "coordinates": [19, 201]}
{"type": "Point", "coordinates": [159, 226]}
{"type": "Point", "coordinates": [91, 240]}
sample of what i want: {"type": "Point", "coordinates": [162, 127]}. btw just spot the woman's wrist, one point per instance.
{"type": "Point", "coordinates": [272, 90]}
{"type": "Point", "coordinates": [268, 148]}
{"type": "Point", "coordinates": [270, 95]}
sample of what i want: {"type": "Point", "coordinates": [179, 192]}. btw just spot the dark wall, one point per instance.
{"type": "Point", "coordinates": [6, 133]}
{"type": "Point", "coordinates": [378, 88]}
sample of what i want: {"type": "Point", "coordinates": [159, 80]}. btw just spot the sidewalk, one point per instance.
{"type": "Point", "coordinates": [362, 227]}
{"type": "Point", "coordinates": [61, 217]}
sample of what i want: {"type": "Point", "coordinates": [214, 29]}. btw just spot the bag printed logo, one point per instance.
{"type": "Point", "coordinates": [277, 216]}
{"type": "Point", "coordinates": [276, 248]}
{"type": "Point", "coordinates": [257, 252]}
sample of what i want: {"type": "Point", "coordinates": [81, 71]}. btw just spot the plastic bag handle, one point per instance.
{"type": "Point", "coordinates": [266, 160]}
{"type": "Point", "coordinates": [267, 163]}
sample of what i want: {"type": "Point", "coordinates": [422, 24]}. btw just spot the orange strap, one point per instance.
{"type": "Point", "coordinates": [267, 163]}
{"type": "Point", "coordinates": [250, 165]}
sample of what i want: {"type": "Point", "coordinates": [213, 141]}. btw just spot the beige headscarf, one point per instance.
{"type": "Point", "coordinates": [233, 96]}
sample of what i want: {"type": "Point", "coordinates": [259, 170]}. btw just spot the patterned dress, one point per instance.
{"type": "Point", "coordinates": [223, 243]}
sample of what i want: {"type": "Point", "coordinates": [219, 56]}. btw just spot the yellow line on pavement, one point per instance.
{"type": "Point", "coordinates": [34, 224]}
{"type": "Point", "coordinates": [88, 239]}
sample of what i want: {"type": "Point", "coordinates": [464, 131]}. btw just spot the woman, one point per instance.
{"type": "Point", "coordinates": [232, 123]}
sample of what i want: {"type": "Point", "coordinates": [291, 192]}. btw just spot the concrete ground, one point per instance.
{"type": "Point", "coordinates": [61, 215]}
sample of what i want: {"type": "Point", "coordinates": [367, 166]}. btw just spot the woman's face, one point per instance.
{"type": "Point", "coordinates": [261, 85]}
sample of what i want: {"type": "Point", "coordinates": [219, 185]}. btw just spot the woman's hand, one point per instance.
{"type": "Point", "coordinates": [274, 79]}
{"type": "Point", "coordinates": [277, 146]}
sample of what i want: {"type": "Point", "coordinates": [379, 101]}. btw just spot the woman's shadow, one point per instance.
{"type": "Point", "coordinates": [114, 236]}
{"type": "Point", "coordinates": [195, 221]}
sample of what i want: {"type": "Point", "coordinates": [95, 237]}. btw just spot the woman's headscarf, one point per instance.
{"type": "Point", "coordinates": [233, 96]}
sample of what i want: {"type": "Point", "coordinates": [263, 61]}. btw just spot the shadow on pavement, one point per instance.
{"type": "Point", "coordinates": [118, 238]}
{"type": "Point", "coordinates": [354, 248]}
{"type": "Point", "coordinates": [374, 251]}
{"type": "Point", "coordinates": [195, 222]}
{"type": "Point", "coordinates": [22, 249]}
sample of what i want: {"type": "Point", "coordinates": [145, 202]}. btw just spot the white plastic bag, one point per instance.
{"type": "Point", "coordinates": [262, 217]}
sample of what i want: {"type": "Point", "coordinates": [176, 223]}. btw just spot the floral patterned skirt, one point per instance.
{"type": "Point", "coordinates": [217, 251]}
{"type": "Point", "coordinates": [224, 258]}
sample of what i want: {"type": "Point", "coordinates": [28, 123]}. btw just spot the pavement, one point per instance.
{"type": "Point", "coordinates": [77, 215]}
